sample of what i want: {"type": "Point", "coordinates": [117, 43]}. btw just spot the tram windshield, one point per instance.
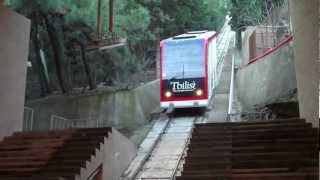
{"type": "Point", "coordinates": [183, 59]}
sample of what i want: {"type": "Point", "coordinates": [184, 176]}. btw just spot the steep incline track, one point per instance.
{"type": "Point", "coordinates": [165, 156]}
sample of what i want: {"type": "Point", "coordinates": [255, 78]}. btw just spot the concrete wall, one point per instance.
{"type": "Point", "coordinates": [118, 155]}
{"type": "Point", "coordinates": [267, 80]}
{"type": "Point", "coordinates": [305, 23]}
{"type": "Point", "coordinates": [114, 155]}
{"type": "Point", "coordinates": [14, 44]}
{"type": "Point", "coordinates": [246, 46]}
{"type": "Point", "coordinates": [123, 110]}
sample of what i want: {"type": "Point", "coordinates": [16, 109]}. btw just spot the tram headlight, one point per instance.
{"type": "Point", "coordinates": [199, 92]}
{"type": "Point", "coordinates": [168, 94]}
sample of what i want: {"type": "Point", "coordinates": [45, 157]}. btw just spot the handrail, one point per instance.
{"type": "Point", "coordinates": [57, 122]}
{"type": "Point", "coordinates": [250, 116]}
{"type": "Point", "coordinates": [231, 91]}
{"type": "Point", "coordinates": [28, 121]}
{"type": "Point", "coordinates": [278, 46]}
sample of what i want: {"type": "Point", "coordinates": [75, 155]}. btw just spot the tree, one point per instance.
{"type": "Point", "coordinates": [78, 42]}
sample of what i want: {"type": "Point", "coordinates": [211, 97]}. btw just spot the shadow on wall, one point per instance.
{"type": "Point", "coordinates": [269, 80]}
{"type": "Point", "coordinates": [124, 110]}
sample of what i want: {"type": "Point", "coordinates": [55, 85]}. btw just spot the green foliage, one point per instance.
{"type": "Point", "coordinates": [249, 12]}
{"type": "Point", "coordinates": [142, 22]}
{"type": "Point", "coordinates": [245, 13]}
{"type": "Point", "coordinates": [172, 17]}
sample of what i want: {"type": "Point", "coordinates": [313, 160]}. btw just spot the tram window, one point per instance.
{"type": "Point", "coordinates": [184, 59]}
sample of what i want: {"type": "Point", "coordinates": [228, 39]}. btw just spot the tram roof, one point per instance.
{"type": "Point", "coordinates": [192, 35]}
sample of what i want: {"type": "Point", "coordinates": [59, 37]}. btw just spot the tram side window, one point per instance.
{"type": "Point", "coordinates": [183, 59]}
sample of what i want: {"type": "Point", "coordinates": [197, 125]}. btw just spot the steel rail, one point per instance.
{"type": "Point", "coordinates": [183, 152]}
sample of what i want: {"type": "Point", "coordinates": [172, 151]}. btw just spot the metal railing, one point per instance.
{"type": "Point", "coordinates": [264, 115]}
{"type": "Point", "coordinates": [223, 43]}
{"type": "Point", "coordinates": [58, 122]}
{"type": "Point", "coordinates": [231, 91]}
{"type": "Point", "coordinates": [28, 115]}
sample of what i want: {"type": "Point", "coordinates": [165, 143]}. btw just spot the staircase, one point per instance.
{"type": "Point", "coordinates": [269, 150]}
{"type": "Point", "coordinates": [49, 154]}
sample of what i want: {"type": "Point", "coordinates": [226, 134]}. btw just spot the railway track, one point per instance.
{"type": "Point", "coordinates": [166, 155]}
{"type": "Point", "coordinates": [160, 153]}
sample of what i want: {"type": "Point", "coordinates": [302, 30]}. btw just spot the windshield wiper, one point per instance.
{"type": "Point", "coordinates": [178, 74]}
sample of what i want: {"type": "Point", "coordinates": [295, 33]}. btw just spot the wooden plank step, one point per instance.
{"type": "Point", "coordinates": [251, 157]}
{"type": "Point", "coordinates": [211, 155]}
{"type": "Point", "coordinates": [34, 152]}
{"type": "Point", "coordinates": [205, 177]}
{"type": "Point", "coordinates": [42, 157]}
{"type": "Point", "coordinates": [280, 163]}
{"type": "Point", "coordinates": [207, 165]}
{"type": "Point", "coordinates": [30, 142]}
{"type": "Point", "coordinates": [209, 143]}
{"type": "Point", "coordinates": [276, 176]}
{"type": "Point", "coordinates": [250, 126]}
{"type": "Point", "coordinates": [274, 155]}
{"type": "Point", "coordinates": [206, 172]}
{"type": "Point", "coordinates": [207, 160]}
{"type": "Point", "coordinates": [274, 170]}
{"type": "Point", "coordinates": [62, 131]}
{"type": "Point", "coordinates": [56, 169]}
{"type": "Point", "coordinates": [271, 125]}
{"type": "Point", "coordinates": [275, 148]}
{"type": "Point", "coordinates": [28, 178]}
{"type": "Point", "coordinates": [22, 164]}
{"type": "Point", "coordinates": [257, 133]}
{"type": "Point", "coordinates": [24, 147]}
{"type": "Point", "coordinates": [73, 137]}
{"type": "Point", "coordinates": [257, 140]}
{"type": "Point", "coordinates": [292, 120]}
{"type": "Point", "coordinates": [208, 132]}
{"type": "Point", "coordinates": [32, 163]}
{"type": "Point", "coordinates": [282, 142]}
{"type": "Point", "coordinates": [213, 149]}
{"type": "Point", "coordinates": [280, 127]}
{"type": "Point", "coordinates": [255, 149]}
{"type": "Point", "coordinates": [40, 145]}
{"type": "Point", "coordinates": [18, 170]}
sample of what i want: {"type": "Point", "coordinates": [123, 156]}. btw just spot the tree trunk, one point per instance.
{"type": "Point", "coordinates": [37, 63]}
{"type": "Point", "coordinates": [238, 39]}
{"type": "Point", "coordinates": [99, 19]}
{"type": "Point", "coordinates": [87, 68]}
{"type": "Point", "coordinates": [56, 37]}
{"type": "Point", "coordinates": [111, 19]}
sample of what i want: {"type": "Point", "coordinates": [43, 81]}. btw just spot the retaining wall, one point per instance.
{"type": "Point", "coordinates": [125, 110]}
{"type": "Point", "coordinates": [270, 79]}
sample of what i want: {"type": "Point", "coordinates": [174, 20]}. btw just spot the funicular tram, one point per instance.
{"type": "Point", "coordinates": [188, 69]}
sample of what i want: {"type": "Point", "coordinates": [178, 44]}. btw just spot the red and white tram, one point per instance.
{"type": "Point", "coordinates": [188, 69]}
